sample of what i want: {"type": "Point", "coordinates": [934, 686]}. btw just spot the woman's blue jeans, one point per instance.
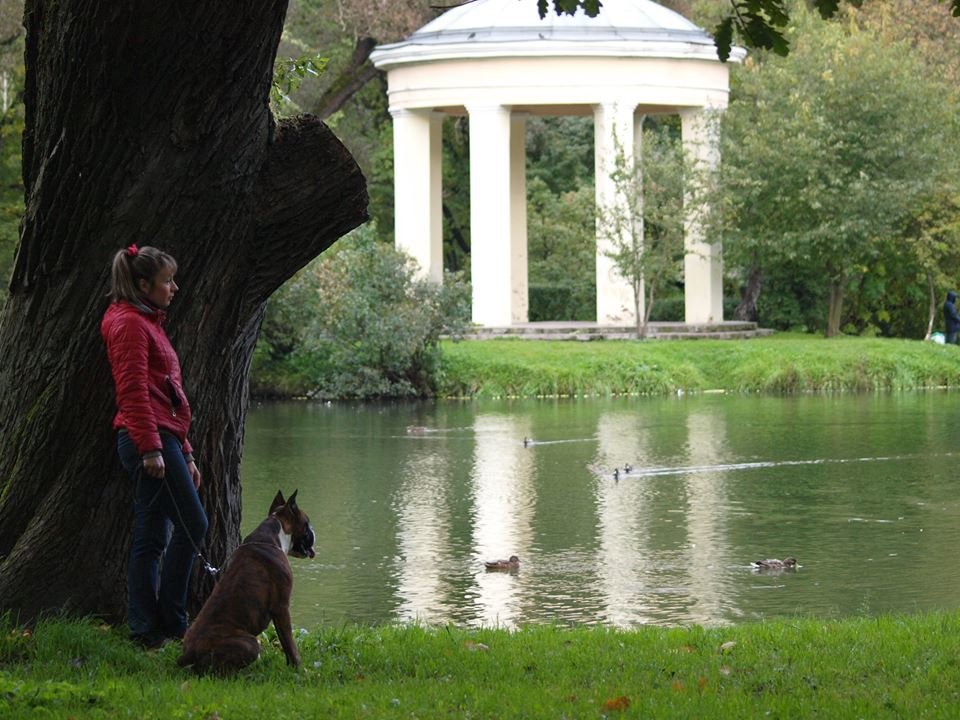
{"type": "Point", "coordinates": [158, 571]}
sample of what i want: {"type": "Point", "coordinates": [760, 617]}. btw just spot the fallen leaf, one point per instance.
{"type": "Point", "coordinates": [687, 649]}
{"type": "Point", "coordinates": [678, 686]}
{"type": "Point", "coordinates": [616, 704]}
{"type": "Point", "coordinates": [728, 646]}
{"type": "Point", "coordinates": [702, 683]}
{"type": "Point", "coordinates": [726, 670]}
{"type": "Point", "coordinates": [475, 646]}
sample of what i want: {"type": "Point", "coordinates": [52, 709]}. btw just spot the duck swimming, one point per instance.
{"type": "Point", "coordinates": [789, 563]}
{"type": "Point", "coordinates": [512, 564]}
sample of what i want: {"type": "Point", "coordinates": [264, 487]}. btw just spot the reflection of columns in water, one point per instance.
{"type": "Point", "coordinates": [423, 530]}
{"type": "Point", "coordinates": [623, 567]}
{"type": "Point", "coordinates": [708, 548]}
{"type": "Point", "coordinates": [503, 500]}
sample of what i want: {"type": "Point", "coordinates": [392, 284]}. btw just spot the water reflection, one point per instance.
{"type": "Point", "coordinates": [860, 489]}
{"type": "Point", "coordinates": [626, 576]}
{"type": "Point", "coordinates": [707, 548]}
{"type": "Point", "coordinates": [423, 531]}
{"type": "Point", "coordinates": [502, 512]}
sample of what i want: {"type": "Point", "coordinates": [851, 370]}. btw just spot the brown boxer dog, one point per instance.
{"type": "Point", "coordinates": [255, 589]}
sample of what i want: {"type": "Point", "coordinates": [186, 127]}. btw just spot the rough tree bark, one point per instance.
{"type": "Point", "coordinates": [747, 307]}
{"type": "Point", "coordinates": [146, 122]}
{"type": "Point", "coordinates": [835, 309]}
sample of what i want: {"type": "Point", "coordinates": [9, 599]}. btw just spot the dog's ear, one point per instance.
{"type": "Point", "coordinates": [292, 501]}
{"type": "Point", "coordinates": [278, 501]}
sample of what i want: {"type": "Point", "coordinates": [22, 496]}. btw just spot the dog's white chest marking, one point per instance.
{"type": "Point", "coordinates": [285, 540]}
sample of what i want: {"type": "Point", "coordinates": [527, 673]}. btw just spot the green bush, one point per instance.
{"type": "Point", "coordinates": [358, 323]}
{"type": "Point", "coordinates": [562, 301]}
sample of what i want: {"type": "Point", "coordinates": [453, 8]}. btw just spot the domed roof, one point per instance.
{"type": "Point", "coordinates": [499, 28]}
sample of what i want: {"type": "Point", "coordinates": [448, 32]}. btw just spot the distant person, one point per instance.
{"type": "Point", "coordinates": [951, 318]}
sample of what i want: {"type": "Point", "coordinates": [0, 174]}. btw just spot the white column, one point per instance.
{"type": "Point", "coordinates": [491, 219]}
{"type": "Point", "coordinates": [417, 177]}
{"type": "Point", "coordinates": [519, 303]}
{"type": "Point", "coordinates": [702, 264]}
{"type": "Point", "coordinates": [615, 132]}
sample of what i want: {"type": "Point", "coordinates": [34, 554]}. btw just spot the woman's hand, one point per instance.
{"type": "Point", "coordinates": [194, 473]}
{"type": "Point", "coordinates": [154, 466]}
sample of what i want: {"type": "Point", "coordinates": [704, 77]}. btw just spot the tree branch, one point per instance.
{"type": "Point", "coordinates": [350, 80]}
{"type": "Point", "coordinates": [310, 191]}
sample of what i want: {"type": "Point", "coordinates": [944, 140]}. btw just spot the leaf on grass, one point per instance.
{"type": "Point", "coordinates": [728, 646]}
{"type": "Point", "coordinates": [475, 646]}
{"type": "Point", "coordinates": [726, 670]}
{"type": "Point", "coordinates": [687, 649]}
{"type": "Point", "coordinates": [616, 704]}
{"type": "Point", "coordinates": [678, 686]}
{"type": "Point", "coordinates": [702, 683]}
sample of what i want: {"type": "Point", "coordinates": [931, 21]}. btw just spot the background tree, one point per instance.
{"type": "Point", "coordinates": [144, 123]}
{"type": "Point", "coordinates": [11, 131]}
{"type": "Point", "coordinates": [760, 24]}
{"type": "Point", "coordinates": [655, 193]}
{"type": "Point", "coordinates": [561, 234]}
{"type": "Point", "coordinates": [829, 152]}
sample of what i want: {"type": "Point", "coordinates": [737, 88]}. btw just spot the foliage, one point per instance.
{"type": "Point", "coordinates": [288, 76]}
{"type": "Point", "coordinates": [926, 24]}
{"type": "Point", "coordinates": [282, 366]}
{"type": "Point", "coordinates": [759, 24]}
{"type": "Point", "coordinates": [793, 667]}
{"type": "Point", "coordinates": [561, 252]}
{"type": "Point", "coordinates": [829, 152]}
{"type": "Point", "coordinates": [12, 75]}
{"type": "Point", "coordinates": [781, 364]}
{"type": "Point", "coordinates": [561, 247]}
{"type": "Point", "coordinates": [358, 323]}
{"type": "Point", "coordinates": [644, 222]}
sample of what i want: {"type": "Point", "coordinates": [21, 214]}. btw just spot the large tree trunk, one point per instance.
{"type": "Point", "coordinates": [146, 122]}
{"type": "Point", "coordinates": [835, 311]}
{"type": "Point", "coordinates": [747, 307]}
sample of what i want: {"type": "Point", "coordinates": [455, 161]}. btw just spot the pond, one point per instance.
{"type": "Point", "coordinates": [409, 500]}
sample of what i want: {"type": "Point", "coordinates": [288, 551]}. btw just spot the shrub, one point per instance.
{"type": "Point", "coordinates": [358, 323]}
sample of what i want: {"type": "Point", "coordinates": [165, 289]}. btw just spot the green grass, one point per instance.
{"type": "Point", "coordinates": [892, 666]}
{"type": "Point", "coordinates": [777, 364]}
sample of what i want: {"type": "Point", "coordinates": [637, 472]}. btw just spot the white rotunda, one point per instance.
{"type": "Point", "coordinates": [498, 63]}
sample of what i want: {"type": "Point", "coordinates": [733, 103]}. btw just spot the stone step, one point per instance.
{"type": "Point", "coordinates": [731, 330]}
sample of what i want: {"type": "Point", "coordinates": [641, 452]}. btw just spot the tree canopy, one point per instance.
{"type": "Point", "coordinates": [757, 24]}
{"type": "Point", "coordinates": [831, 152]}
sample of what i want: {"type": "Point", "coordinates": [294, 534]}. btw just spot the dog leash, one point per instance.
{"type": "Point", "coordinates": [210, 569]}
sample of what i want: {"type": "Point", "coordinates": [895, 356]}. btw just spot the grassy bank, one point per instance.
{"type": "Point", "coordinates": [778, 364]}
{"type": "Point", "coordinates": [884, 667]}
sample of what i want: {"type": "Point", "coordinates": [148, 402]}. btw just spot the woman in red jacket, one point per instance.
{"type": "Point", "coordinates": [152, 421]}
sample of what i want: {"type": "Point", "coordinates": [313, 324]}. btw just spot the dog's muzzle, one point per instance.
{"type": "Point", "coordinates": [303, 547]}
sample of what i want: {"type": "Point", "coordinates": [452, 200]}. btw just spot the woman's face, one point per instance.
{"type": "Point", "coordinates": [161, 290]}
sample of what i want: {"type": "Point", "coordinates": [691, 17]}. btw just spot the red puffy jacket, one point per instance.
{"type": "Point", "coordinates": [146, 375]}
